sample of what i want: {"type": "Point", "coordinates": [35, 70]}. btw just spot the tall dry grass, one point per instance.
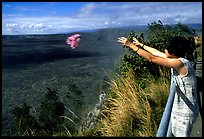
{"type": "Point", "coordinates": [131, 110]}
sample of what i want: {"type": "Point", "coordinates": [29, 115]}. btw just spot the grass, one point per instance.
{"type": "Point", "coordinates": [131, 110]}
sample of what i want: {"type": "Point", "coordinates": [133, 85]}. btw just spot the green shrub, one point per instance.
{"type": "Point", "coordinates": [51, 110]}
{"type": "Point", "coordinates": [157, 34]}
{"type": "Point", "coordinates": [25, 124]}
{"type": "Point", "coordinates": [50, 120]}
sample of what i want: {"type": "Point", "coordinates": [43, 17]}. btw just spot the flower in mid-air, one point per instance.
{"type": "Point", "coordinates": [74, 40]}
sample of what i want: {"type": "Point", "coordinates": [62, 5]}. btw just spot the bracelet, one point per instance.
{"type": "Point", "coordinates": [137, 49]}
{"type": "Point", "coordinates": [142, 46]}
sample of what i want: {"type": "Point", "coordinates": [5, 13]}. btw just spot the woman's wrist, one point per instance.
{"type": "Point", "coordinates": [142, 46]}
{"type": "Point", "coordinates": [137, 49]}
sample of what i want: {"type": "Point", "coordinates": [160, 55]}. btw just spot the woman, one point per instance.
{"type": "Point", "coordinates": [185, 107]}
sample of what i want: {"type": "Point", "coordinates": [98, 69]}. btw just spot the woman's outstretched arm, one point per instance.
{"type": "Point", "coordinates": [163, 61]}
{"type": "Point", "coordinates": [149, 49]}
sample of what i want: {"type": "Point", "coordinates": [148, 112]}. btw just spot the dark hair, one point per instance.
{"type": "Point", "coordinates": [181, 46]}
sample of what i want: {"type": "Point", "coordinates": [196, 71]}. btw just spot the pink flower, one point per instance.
{"type": "Point", "coordinates": [74, 40]}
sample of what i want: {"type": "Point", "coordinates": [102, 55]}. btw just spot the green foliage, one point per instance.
{"type": "Point", "coordinates": [75, 94]}
{"type": "Point", "coordinates": [25, 124]}
{"type": "Point", "coordinates": [50, 120]}
{"type": "Point", "coordinates": [157, 34]}
{"type": "Point", "coordinates": [51, 110]}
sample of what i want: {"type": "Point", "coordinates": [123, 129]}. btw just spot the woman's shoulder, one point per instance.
{"type": "Point", "coordinates": [188, 64]}
{"type": "Point", "coordinates": [183, 59]}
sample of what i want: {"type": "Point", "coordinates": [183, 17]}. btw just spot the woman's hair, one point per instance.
{"type": "Point", "coordinates": [181, 46]}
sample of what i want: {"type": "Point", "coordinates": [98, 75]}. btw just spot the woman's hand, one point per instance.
{"type": "Point", "coordinates": [136, 42]}
{"type": "Point", "coordinates": [124, 41]}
